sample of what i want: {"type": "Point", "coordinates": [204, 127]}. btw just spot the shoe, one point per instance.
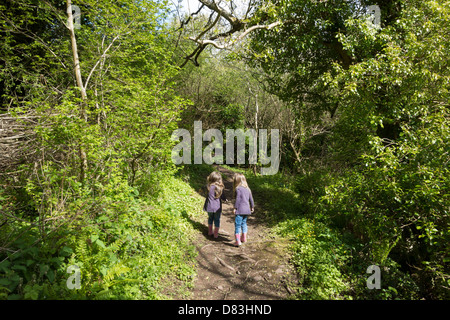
{"type": "Point", "coordinates": [244, 237]}
{"type": "Point", "coordinates": [210, 229]}
{"type": "Point", "coordinates": [238, 240]}
{"type": "Point", "coordinates": [216, 232]}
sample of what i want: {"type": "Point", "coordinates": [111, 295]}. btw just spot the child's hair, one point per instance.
{"type": "Point", "coordinates": [239, 180]}
{"type": "Point", "coordinates": [215, 178]}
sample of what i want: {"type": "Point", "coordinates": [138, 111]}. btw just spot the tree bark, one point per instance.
{"type": "Point", "coordinates": [76, 60]}
{"type": "Point", "coordinates": [236, 25]}
{"type": "Point", "coordinates": [256, 129]}
{"type": "Point", "coordinates": [79, 79]}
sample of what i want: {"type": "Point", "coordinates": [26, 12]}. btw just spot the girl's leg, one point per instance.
{"type": "Point", "coordinates": [237, 229]}
{"type": "Point", "coordinates": [217, 224]}
{"type": "Point", "coordinates": [244, 224]}
{"type": "Point", "coordinates": [244, 229]}
{"type": "Point", "coordinates": [210, 223]}
{"type": "Point", "coordinates": [217, 219]}
{"type": "Point", "coordinates": [237, 224]}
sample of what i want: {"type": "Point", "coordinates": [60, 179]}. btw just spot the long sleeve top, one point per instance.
{"type": "Point", "coordinates": [244, 201]}
{"type": "Point", "coordinates": [213, 204]}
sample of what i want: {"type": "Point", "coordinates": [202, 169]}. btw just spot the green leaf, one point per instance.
{"type": "Point", "coordinates": [5, 282]}
{"type": "Point", "coordinates": [51, 275]}
{"type": "Point", "coordinates": [100, 243]}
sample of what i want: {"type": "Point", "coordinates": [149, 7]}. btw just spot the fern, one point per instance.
{"type": "Point", "coordinates": [82, 250]}
{"type": "Point", "coordinates": [111, 279]}
{"type": "Point", "coordinates": [105, 294]}
{"type": "Point", "coordinates": [117, 270]}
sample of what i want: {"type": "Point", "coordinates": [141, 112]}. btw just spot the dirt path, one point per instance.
{"type": "Point", "coordinates": [259, 269]}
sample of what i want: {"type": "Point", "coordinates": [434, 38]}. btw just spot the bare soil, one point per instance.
{"type": "Point", "coordinates": [258, 269]}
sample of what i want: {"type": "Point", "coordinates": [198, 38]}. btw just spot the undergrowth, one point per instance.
{"type": "Point", "coordinates": [331, 261]}
{"type": "Point", "coordinates": [132, 251]}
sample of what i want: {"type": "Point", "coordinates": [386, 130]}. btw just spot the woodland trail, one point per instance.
{"type": "Point", "coordinates": [258, 269]}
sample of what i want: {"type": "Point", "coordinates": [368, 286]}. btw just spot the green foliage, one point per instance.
{"type": "Point", "coordinates": [395, 196]}
{"type": "Point", "coordinates": [397, 200]}
{"type": "Point", "coordinates": [297, 53]}
{"type": "Point", "coordinates": [318, 254]}
{"type": "Point", "coordinates": [98, 189]}
{"type": "Point", "coordinates": [218, 93]}
{"type": "Point", "coordinates": [92, 182]}
{"type": "Point", "coordinates": [128, 254]}
{"type": "Point", "coordinates": [329, 255]}
{"type": "Point", "coordinates": [381, 173]}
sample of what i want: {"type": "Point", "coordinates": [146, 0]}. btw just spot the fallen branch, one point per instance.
{"type": "Point", "coordinates": [226, 265]}
{"type": "Point", "coordinates": [259, 262]}
{"type": "Point", "coordinates": [204, 246]}
{"type": "Point", "coordinates": [244, 256]}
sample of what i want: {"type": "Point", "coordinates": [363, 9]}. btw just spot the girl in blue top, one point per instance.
{"type": "Point", "coordinates": [243, 207]}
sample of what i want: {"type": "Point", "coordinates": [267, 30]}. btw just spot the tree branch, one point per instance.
{"type": "Point", "coordinates": [98, 61]}
{"type": "Point", "coordinates": [207, 29]}
{"type": "Point", "coordinates": [236, 25]}
{"type": "Point", "coordinates": [227, 15]}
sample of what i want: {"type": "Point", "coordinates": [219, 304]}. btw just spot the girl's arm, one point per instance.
{"type": "Point", "coordinates": [252, 204]}
{"type": "Point", "coordinates": [238, 200]}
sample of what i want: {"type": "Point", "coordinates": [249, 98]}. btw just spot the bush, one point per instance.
{"type": "Point", "coordinates": [318, 255]}
{"type": "Point", "coordinates": [396, 202]}
{"type": "Point", "coordinates": [127, 251]}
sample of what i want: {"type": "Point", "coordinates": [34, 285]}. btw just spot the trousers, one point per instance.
{"type": "Point", "coordinates": [214, 217]}
{"type": "Point", "coordinates": [240, 223]}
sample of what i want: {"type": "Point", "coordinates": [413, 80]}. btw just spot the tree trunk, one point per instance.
{"type": "Point", "coordinates": [76, 60]}
{"type": "Point", "coordinates": [77, 70]}
{"type": "Point", "coordinates": [256, 129]}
